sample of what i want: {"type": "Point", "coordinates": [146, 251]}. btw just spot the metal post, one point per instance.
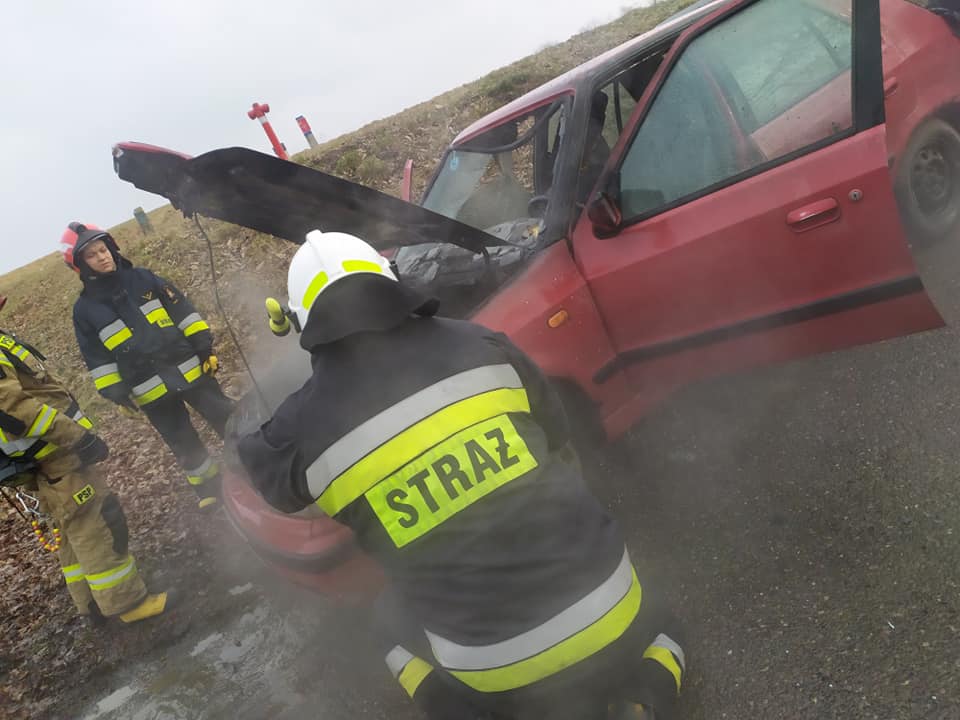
{"type": "Point", "coordinates": [307, 132]}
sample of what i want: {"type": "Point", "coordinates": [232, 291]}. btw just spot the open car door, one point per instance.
{"type": "Point", "coordinates": [747, 214]}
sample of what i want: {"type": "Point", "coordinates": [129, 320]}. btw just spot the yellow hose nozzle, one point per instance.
{"type": "Point", "coordinates": [279, 322]}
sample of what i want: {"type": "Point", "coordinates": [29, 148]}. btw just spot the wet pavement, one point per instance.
{"type": "Point", "coordinates": [804, 520]}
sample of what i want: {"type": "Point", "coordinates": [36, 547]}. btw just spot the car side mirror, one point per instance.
{"type": "Point", "coordinates": [604, 215]}
{"type": "Point", "coordinates": [406, 187]}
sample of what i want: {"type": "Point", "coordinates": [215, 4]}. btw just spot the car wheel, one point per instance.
{"type": "Point", "coordinates": [928, 182]}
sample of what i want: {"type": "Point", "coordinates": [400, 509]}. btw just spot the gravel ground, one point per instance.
{"type": "Point", "coordinates": [803, 519]}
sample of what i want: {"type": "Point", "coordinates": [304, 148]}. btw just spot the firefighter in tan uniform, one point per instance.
{"type": "Point", "coordinates": [44, 434]}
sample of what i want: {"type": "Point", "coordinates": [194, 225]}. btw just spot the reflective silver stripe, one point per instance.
{"type": "Point", "coordinates": [397, 660]}
{"type": "Point", "coordinates": [189, 320]}
{"type": "Point", "coordinates": [17, 446]}
{"type": "Point", "coordinates": [102, 370]}
{"type": "Point", "coordinates": [368, 436]}
{"type": "Point", "coordinates": [42, 422]}
{"type": "Point", "coordinates": [146, 386]}
{"type": "Point", "coordinates": [188, 365]}
{"type": "Point", "coordinates": [202, 469]}
{"type": "Point", "coordinates": [112, 329]}
{"type": "Point", "coordinates": [149, 307]}
{"type": "Point", "coordinates": [575, 618]}
{"type": "Point", "coordinates": [107, 580]}
{"type": "Point", "coordinates": [73, 571]}
{"type": "Point", "coordinates": [669, 644]}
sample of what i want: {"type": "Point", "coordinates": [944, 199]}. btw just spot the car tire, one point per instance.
{"type": "Point", "coordinates": [928, 182]}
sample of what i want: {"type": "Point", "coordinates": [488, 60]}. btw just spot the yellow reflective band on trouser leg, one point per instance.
{"type": "Point", "coordinates": [413, 675]}
{"type": "Point", "coordinates": [568, 652]}
{"type": "Point", "coordinates": [409, 670]}
{"type": "Point", "coordinates": [73, 574]}
{"type": "Point", "coordinates": [207, 470]}
{"type": "Point", "coordinates": [669, 655]}
{"type": "Point", "coordinates": [113, 577]}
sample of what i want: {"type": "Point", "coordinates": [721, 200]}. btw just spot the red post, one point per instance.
{"type": "Point", "coordinates": [259, 112]}
{"type": "Point", "coordinates": [307, 131]}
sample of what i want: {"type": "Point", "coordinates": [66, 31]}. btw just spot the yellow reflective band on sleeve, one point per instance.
{"type": "Point", "coordinates": [113, 577]}
{"type": "Point", "coordinates": [149, 390]}
{"type": "Point", "coordinates": [85, 422]}
{"type": "Point", "coordinates": [412, 442]}
{"type": "Point", "coordinates": [4, 360]}
{"type": "Point", "coordinates": [160, 318]}
{"type": "Point", "coordinates": [413, 674]}
{"type": "Point", "coordinates": [42, 422]}
{"type": "Point", "coordinates": [194, 328]}
{"type": "Point", "coordinates": [192, 375]}
{"type": "Point", "coordinates": [449, 478]}
{"type": "Point", "coordinates": [664, 657]}
{"type": "Point", "coordinates": [575, 648]}
{"type": "Point", "coordinates": [117, 338]}
{"type": "Point", "coordinates": [47, 449]}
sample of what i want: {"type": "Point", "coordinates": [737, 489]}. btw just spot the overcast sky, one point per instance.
{"type": "Point", "coordinates": [77, 77]}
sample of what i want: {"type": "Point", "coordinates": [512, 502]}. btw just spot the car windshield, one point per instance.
{"type": "Point", "coordinates": [492, 179]}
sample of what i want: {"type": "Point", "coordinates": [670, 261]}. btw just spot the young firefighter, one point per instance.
{"type": "Point", "coordinates": [146, 346]}
{"type": "Point", "coordinates": [47, 447]}
{"type": "Point", "coordinates": [447, 452]}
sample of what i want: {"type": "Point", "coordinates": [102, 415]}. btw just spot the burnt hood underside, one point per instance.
{"type": "Point", "coordinates": [286, 199]}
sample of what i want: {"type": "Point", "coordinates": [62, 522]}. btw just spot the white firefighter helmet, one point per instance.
{"type": "Point", "coordinates": [325, 258]}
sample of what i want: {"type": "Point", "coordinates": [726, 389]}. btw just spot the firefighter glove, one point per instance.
{"type": "Point", "coordinates": [91, 449]}
{"type": "Point", "coordinates": [211, 365]}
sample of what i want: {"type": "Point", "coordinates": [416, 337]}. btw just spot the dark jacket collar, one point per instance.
{"type": "Point", "coordinates": [362, 303]}
{"type": "Point", "coordinates": [104, 284]}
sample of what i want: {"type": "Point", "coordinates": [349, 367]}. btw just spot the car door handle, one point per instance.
{"type": "Point", "coordinates": [814, 215]}
{"type": "Point", "coordinates": [891, 86]}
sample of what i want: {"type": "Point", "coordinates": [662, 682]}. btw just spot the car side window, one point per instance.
{"type": "Point", "coordinates": [765, 83]}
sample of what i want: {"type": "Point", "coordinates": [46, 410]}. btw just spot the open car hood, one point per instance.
{"type": "Point", "coordinates": [285, 199]}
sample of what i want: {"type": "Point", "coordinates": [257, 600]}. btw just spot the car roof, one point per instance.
{"type": "Point", "coordinates": [571, 80]}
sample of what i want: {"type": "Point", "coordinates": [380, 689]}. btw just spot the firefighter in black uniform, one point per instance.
{"type": "Point", "coordinates": [447, 452]}
{"type": "Point", "coordinates": [148, 348]}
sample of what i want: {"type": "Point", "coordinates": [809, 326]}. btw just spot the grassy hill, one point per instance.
{"type": "Point", "coordinates": [251, 265]}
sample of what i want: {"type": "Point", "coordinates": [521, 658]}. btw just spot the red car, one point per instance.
{"type": "Point", "coordinates": [712, 196]}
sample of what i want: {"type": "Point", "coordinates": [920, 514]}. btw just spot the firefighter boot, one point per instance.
{"type": "Point", "coordinates": [151, 606]}
{"type": "Point", "coordinates": [208, 494]}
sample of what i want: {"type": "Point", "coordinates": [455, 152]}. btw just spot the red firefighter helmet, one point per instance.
{"type": "Point", "coordinates": [77, 236]}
